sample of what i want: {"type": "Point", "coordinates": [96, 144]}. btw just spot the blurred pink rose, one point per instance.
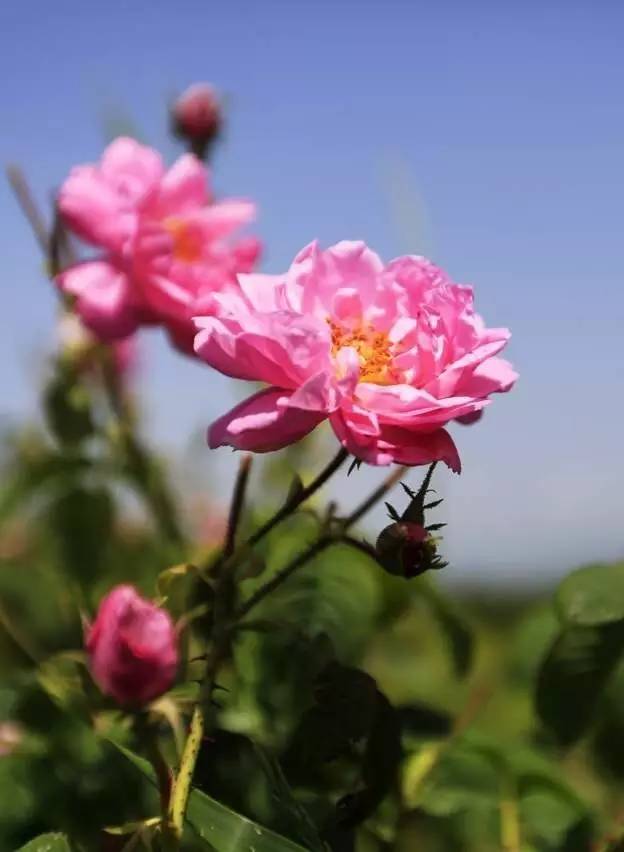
{"type": "Point", "coordinates": [197, 113]}
{"type": "Point", "coordinates": [390, 354]}
{"type": "Point", "coordinates": [132, 648]}
{"type": "Point", "coordinates": [167, 246]}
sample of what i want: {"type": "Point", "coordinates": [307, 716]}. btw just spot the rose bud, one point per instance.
{"type": "Point", "coordinates": [406, 549]}
{"type": "Point", "coordinates": [196, 117]}
{"type": "Point", "coordinates": [132, 647]}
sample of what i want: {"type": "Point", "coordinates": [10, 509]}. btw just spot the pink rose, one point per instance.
{"type": "Point", "coordinates": [167, 245]}
{"type": "Point", "coordinates": [390, 354]}
{"type": "Point", "coordinates": [132, 647]}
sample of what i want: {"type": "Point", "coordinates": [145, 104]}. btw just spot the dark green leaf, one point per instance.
{"type": "Point", "coordinates": [221, 828]}
{"type": "Point", "coordinates": [575, 671]}
{"type": "Point", "coordinates": [68, 410]}
{"type": "Point", "coordinates": [380, 763]}
{"type": "Point", "coordinates": [82, 519]}
{"type": "Point", "coordinates": [454, 627]}
{"type": "Point", "coordinates": [292, 811]}
{"type": "Point", "coordinates": [420, 720]}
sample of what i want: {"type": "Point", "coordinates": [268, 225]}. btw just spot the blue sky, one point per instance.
{"type": "Point", "coordinates": [488, 135]}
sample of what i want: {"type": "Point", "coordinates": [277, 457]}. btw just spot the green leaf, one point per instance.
{"type": "Point", "coordinates": [455, 629]}
{"type": "Point", "coordinates": [592, 596]}
{"type": "Point", "coordinates": [573, 675]}
{"type": "Point", "coordinates": [221, 828]}
{"type": "Point", "coordinates": [552, 818]}
{"type": "Point", "coordinates": [32, 475]}
{"type": "Point", "coordinates": [462, 778]}
{"type": "Point", "coordinates": [68, 410]}
{"type": "Point", "coordinates": [47, 843]}
{"type": "Point", "coordinates": [82, 519]}
{"type": "Point", "coordinates": [292, 810]}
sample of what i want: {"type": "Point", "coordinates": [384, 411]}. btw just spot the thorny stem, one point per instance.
{"type": "Point", "coordinates": [290, 506]}
{"type": "Point", "coordinates": [222, 628]}
{"type": "Point", "coordinates": [324, 541]}
{"type": "Point", "coordinates": [224, 601]}
{"type": "Point", "coordinates": [237, 505]}
{"type": "Point", "coordinates": [293, 504]}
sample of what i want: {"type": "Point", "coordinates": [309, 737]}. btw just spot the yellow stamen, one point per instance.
{"type": "Point", "coordinates": [373, 347]}
{"type": "Point", "coordinates": [187, 243]}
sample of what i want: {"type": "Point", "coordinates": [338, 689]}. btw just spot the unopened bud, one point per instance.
{"type": "Point", "coordinates": [406, 549]}
{"type": "Point", "coordinates": [132, 648]}
{"type": "Point", "coordinates": [196, 117]}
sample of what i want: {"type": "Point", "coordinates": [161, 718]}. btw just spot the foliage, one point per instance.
{"type": "Point", "coordinates": [332, 696]}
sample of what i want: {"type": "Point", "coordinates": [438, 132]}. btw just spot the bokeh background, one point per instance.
{"type": "Point", "coordinates": [489, 136]}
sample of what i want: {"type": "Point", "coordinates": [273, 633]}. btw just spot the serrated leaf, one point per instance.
{"type": "Point", "coordinates": [592, 595]}
{"type": "Point", "coordinates": [576, 669]}
{"type": "Point", "coordinates": [221, 828]}
{"type": "Point", "coordinates": [47, 843]}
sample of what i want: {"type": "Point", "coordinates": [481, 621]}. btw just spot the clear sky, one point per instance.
{"type": "Point", "coordinates": [489, 135]}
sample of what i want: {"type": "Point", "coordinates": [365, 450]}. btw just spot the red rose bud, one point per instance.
{"type": "Point", "coordinates": [132, 648]}
{"type": "Point", "coordinates": [196, 117]}
{"type": "Point", "coordinates": [407, 549]}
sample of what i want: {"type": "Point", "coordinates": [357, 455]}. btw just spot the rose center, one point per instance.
{"type": "Point", "coordinates": [374, 349]}
{"type": "Point", "coordinates": [187, 241]}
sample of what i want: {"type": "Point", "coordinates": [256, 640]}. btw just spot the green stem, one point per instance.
{"type": "Point", "coordinates": [224, 603]}
{"type": "Point", "coordinates": [227, 560]}
{"type": "Point", "coordinates": [143, 469]}
{"type": "Point", "coordinates": [182, 787]}
{"type": "Point", "coordinates": [510, 821]}
{"type": "Point", "coordinates": [324, 541]}
{"type": "Point", "coordinates": [293, 504]}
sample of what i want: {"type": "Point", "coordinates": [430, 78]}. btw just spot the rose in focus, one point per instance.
{"type": "Point", "coordinates": [390, 354]}
{"type": "Point", "coordinates": [167, 244]}
{"type": "Point", "coordinates": [132, 647]}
